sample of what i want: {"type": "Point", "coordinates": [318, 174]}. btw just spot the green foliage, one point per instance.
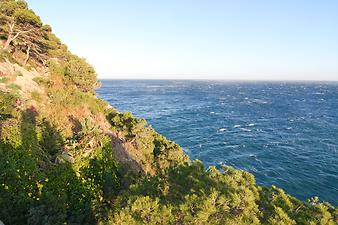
{"type": "Point", "coordinates": [9, 7]}
{"type": "Point", "coordinates": [18, 74]}
{"type": "Point", "coordinates": [80, 73]}
{"type": "Point", "coordinates": [167, 154]}
{"type": "Point", "coordinates": [55, 49]}
{"type": "Point", "coordinates": [42, 81]}
{"type": "Point", "coordinates": [191, 195]}
{"type": "Point", "coordinates": [73, 98]}
{"type": "Point", "coordinates": [4, 80]}
{"type": "Point", "coordinates": [32, 36]}
{"type": "Point", "coordinates": [7, 105]}
{"type": "Point", "coordinates": [3, 54]}
{"type": "Point", "coordinates": [126, 124]}
{"type": "Point", "coordinates": [280, 208]}
{"type": "Point", "coordinates": [56, 67]}
{"type": "Point", "coordinates": [13, 86]}
{"type": "Point", "coordinates": [144, 210]}
{"type": "Point", "coordinates": [51, 141]}
{"type": "Point", "coordinates": [26, 16]}
{"type": "Point", "coordinates": [99, 174]}
{"type": "Point", "coordinates": [75, 71]}
{"type": "Point", "coordinates": [86, 137]}
{"type": "Point", "coordinates": [36, 96]}
{"type": "Point", "coordinates": [152, 151]}
{"type": "Point", "coordinates": [34, 189]}
{"type": "Point", "coordinates": [44, 47]}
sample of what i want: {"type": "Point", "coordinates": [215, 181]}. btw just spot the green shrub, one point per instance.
{"type": "Point", "coordinates": [75, 71]}
{"type": "Point", "coordinates": [126, 123]}
{"type": "Point", "coordinates": [56, 67]}
{"type": "Point", "coordinates": [80, 73]}
{"type": "Point", "coordinates": [7, 105]}
{"type": "Point", "coordinates": [34, 189]}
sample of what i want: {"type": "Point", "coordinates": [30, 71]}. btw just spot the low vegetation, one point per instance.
{"type": "Point", "coordinates": [66, 157]}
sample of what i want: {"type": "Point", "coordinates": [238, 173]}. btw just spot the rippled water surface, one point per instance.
{"type": "Point", "coordinates": [286, 134]}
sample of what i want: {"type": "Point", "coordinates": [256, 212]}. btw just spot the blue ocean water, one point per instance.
{"type": "Point", "coordinates": [286, 134]}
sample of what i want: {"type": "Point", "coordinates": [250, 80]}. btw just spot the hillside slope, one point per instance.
{"type": "Point", "coordinates": [67, 157]}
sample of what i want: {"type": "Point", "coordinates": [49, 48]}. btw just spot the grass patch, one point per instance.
{"type": "Point", "coordinates": [4, 80]}
{"type": "Point", "coordinates": [36, 96]}
{"type": "Point", "coordinates": [6, 55]}
{"type": "Point", "coordinates": [42, 81]}
{"type": "Point", "coordinates": [18, 74]}
{"type": "Point", "coordinates": [2, 55]}
{"type": "Point", "coordinates": [14, 87]}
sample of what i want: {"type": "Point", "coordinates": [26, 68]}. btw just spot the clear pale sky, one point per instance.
{"type": "Point", "coordinates": [200, 39]}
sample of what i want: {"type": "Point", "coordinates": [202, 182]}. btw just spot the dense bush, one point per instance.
{"type": "Point", "coordinates": [192, 195]}
{"type": "Point", "coordinates": [37, 189]}
{"type": "Point", "coordinates": [151, 150]}
{"type": "Point", "coordinates": [74, 71]}
{"type": "Point", "coordinates": [80, 73]}
{"type": "Point", "coordinates": [7, 105]}
{"type": "Point", "coordinates": [126, 124]}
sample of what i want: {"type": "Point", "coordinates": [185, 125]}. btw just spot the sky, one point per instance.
{"type": "Point", "coordinates": [200, 39]}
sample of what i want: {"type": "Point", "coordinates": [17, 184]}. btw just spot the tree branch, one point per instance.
{"type": "Point", "coordinates": [20, 32]}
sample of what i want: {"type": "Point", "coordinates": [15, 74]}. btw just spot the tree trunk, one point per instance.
{"type": "Point", "coordinates": [8, 41]}
{"type": "Point", "coordinates": [27, 55]}
{"type": "Point", "coordinates": [10, 35]}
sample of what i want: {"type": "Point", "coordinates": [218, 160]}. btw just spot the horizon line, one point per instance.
{"type": "Point", "coordinates": [224, 80]}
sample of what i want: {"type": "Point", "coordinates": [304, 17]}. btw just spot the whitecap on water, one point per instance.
{"type": "Point", "coordinates": [232, 146]}
{"type": "Point", "coordinates": [222, 129]}
{"type": "Point", "coordinates": [246, 130]}
{"type": "Point", "coordinates": [237, 126]}
{"type": "Point", "coordinates": [260, 101]}
{"type": "Point", "coordinates": [251, 125]}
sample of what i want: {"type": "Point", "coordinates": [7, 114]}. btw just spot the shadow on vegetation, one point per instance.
{"type": "Point", "coordinates": [77, 126]}
{"type": "Point", "coordinates": [33, 188]}
{"type": "Point", "coordinates": [176, 183]}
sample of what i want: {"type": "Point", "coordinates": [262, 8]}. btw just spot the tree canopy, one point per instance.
{"type": "Point", "coordinates": [24, 34]}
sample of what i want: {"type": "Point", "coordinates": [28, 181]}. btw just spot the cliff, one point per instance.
{"type": "Point", "coordinates": [67, 157]}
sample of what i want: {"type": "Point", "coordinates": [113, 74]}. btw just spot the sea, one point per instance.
{"type": "Point", "coordinates": [285, 133]}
